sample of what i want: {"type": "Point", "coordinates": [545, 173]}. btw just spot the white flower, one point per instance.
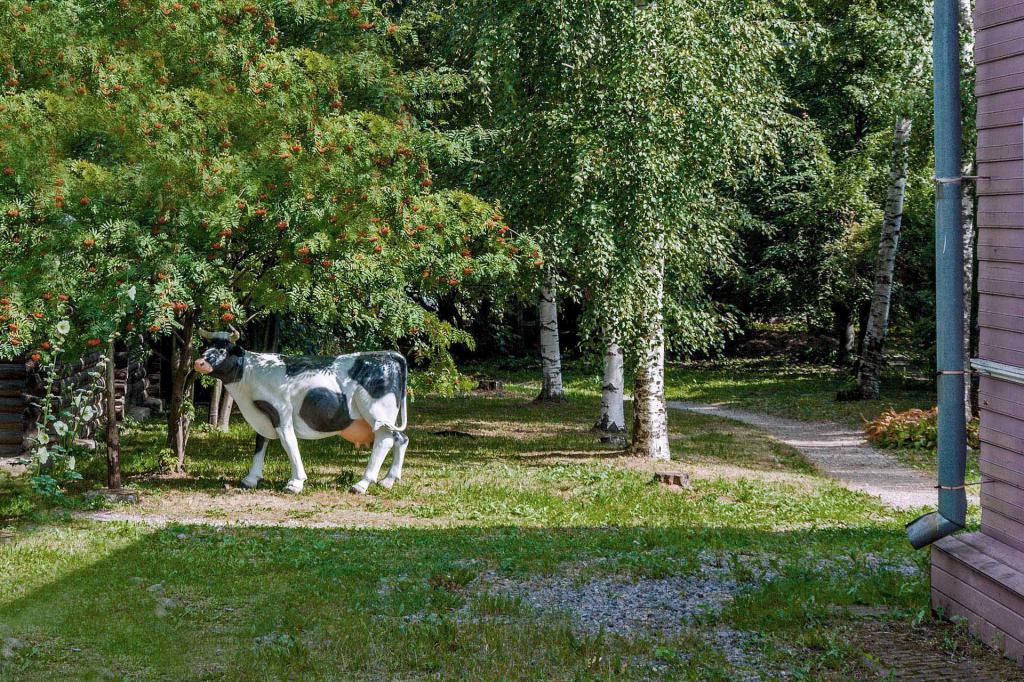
{"type": "Point", "coordinates": [88, 413]}
{"type": "Point", "coordinates": [63, 327]}
{"type": "Point", "coordinates": [43, 455]}
{"type": "Point", "coordinates": [60, 427]}
{"type": "Point", "coordinates": [42, 438]}
{"type": "Point", "coordinates": [71, 463]}
{"type": "Point", "coordinates": [131, 292]}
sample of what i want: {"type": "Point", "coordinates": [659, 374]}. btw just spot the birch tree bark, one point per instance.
{"type": "Point", "coordinates": [550, 352]}
{"type": "Point", "coordinates": [650, 418]}
{"type": "Point", "coordinates": [967, 190]}
{"type": "Point", "coordinates": [870, 373]}
{"type": "Point", "coordinates": [967, 221]}
{"type": "Point", "coordinates": [612, 419]}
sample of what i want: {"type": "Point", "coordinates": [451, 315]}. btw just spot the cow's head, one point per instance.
{"type": "Point", "coordinates": [223, 357]}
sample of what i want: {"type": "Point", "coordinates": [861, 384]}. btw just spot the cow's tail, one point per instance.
{"type": "Point", "coordinates": [405, 394]}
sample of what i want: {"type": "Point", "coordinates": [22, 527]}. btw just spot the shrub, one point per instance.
{"type": "Point", "coordinates": [912, 429]}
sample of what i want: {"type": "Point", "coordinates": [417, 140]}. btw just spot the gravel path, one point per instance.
{"type": "Point", "coordinates": [840, 452]}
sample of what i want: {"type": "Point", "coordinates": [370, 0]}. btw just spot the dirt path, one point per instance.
{"type": "Point", "coordinates": [840, 452]}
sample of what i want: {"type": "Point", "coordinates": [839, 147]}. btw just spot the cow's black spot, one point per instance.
{"type": "Point", "coordinates": [261, 443]}
{"type": "Point", "coordinates": [380, 374]}
{"type": "Point", "coordinates": [400, 437]}
{"type": "Point", "coordinates": [297, 364]}
{"type": "Point", "coordinates": [269, 410]}
{"type": "Point", "coordinates": [325, 410]}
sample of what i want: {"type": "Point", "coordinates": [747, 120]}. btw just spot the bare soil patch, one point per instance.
{"type": "Point", "coordinates": [313, 509]}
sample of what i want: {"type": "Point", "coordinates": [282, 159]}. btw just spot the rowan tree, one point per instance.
{"type": "Point", "coordinates": [226, 160]}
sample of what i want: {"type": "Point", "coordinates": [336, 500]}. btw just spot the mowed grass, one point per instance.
{"type": "Point", "coordinates": [804, 392]}
{"type": "Point", "coordinates": [528, 493]}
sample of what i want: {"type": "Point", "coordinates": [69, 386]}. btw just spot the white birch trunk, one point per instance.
{"type": "Point", "coordinates": [967, 189]}
{"type": "Point", "coordinates": [612, 418]}
{"type": "Point", "coordinates": [870, 373]}
{"type": "Point", "coordinates": [650, 418]}
{"type": "Point", "coordinates": [967, 221]}
{"type": "Point", "coordinates": [550, 351]}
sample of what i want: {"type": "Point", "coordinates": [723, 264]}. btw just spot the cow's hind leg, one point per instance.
{"type": "Point", "coordinates": [383, 439]}
{"type": "Point", "coordinates": [256, 470]}
{"type": "Point", "coordinates": [395, 473]}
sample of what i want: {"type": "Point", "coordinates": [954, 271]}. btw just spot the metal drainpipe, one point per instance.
{"type": "Point", "coordinates": [949, 283]}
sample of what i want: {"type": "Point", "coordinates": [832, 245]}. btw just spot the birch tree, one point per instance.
{"type": "Point", "coordinates": [870, 371]}
{"type": "Point", "coordinates": [612, 418]}
{"type": "Point", "coordinates": [617, 130]}
{"type": "Point", "coordinates": [550, 348]}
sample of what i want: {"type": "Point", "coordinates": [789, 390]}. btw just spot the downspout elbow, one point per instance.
{"type": "Point", "coordinates": [926, 529]}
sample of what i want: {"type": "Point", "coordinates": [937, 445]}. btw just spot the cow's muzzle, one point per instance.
{"type": "Point", "coordinates": [203, 367]}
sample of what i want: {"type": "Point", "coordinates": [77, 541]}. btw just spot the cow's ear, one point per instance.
{"type": "Point", "coordinates": [237, 350]}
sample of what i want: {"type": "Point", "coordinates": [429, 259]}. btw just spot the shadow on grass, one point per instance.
{"type": "Point", "coordinates": [197, 602]}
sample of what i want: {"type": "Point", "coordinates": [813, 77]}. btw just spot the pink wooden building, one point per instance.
{"type": "Point", "coordinates": [980, 576]}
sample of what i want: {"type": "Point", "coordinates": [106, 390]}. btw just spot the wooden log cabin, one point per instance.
{"type": "Point", "coordinates": [980, 576]}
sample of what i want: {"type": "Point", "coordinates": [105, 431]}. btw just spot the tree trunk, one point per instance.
{"type": "Point", "coordinates": [968, 189]}
{"type": "Point", "coordinates": [178, 422]}
{"type": "Point", "coordinates": [846, 333]}
{"type": "Point", "coordinates": [967, 221]}
{"type": "Point", "coordinates": [113, 431]}
{"type": "Point", "coordinates": [226, 405]}
{"type": "Point", "coordinates": [650, 418]}
{"type": "Point", "coordinates": [870, 373]}
{"type": "Point", "coordinates": [214, 416]}
{"type": "Point", "coordinates": [550, 352]}
{"type": "Point", "coordinates": [612, 418]}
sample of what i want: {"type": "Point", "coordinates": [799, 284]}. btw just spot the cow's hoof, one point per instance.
{"type": "Point", "coordinates": [388, 483]}
{"type": "Point", "coordinates": [250, 482]}
{"type": "Point", "coordinates": [294, 487]}
{"type": "Point", "coordinates": [360, 488]}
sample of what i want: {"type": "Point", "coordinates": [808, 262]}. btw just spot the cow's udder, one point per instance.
{"type": "Point", "coordinates": [358, 433]}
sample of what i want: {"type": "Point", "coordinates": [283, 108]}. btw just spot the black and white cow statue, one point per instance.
{"type": "Point", "coordinates": [359, 397]}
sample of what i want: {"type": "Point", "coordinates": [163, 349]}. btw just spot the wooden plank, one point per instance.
{"type": "Point", "coordinates": [1000, 152]}
{"type": "Point", "coordinates": [1000, 76]}
{"type": "Point", "coordinates": [993, 320]}
{"type": "Point", "coordinates": [999, 42]}
{"type": "Point", "coordinates": [994, 471]}
{"type": "Point", "coordinates": [987, 17]}
{"type": "Point", "coordinates": [1000, 439]}
{"type": "Point", "coordinates": [981, 628]}
{"type": "Point", "coordinates": [999, 353]}
{"type": "Point", "coordinates": [1002, 203]}
{"type": "Point", "coordinates": [1004, 499]}
{"type": "Point", "coordinates": [1002, 136]}
{"type": "Point", "coordinates": [971, 552]}
{"type": "Point", "coordinates": [985, 597]}
{"type": "Point", "coordinates": [1007, 236]}
{"type": "Point", "coordinates": [996, 220]}
{"type": "Point", "coordinates": [1000, 254]}
{"type": "Point", "coordinates": [1003, 529]}
{"type": "Point", "coordinates": [1001, 406]}
{"type": "Point", "coordinates": [996, 118]}
{"type": "Point", "coordinates": [1010, 425]}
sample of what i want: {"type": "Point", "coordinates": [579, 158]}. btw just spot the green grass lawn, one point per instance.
{"type": "Point", "coordinates": [456, 573]}
{"type": "Point", "coordinates": [796, 391]}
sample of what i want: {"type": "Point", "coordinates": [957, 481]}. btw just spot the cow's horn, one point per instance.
{"type": "Point", "coordinates": [205, 334]}
{"type": "Point", "coordinates": [235, 334]}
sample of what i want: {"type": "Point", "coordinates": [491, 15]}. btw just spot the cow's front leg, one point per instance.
{"type": "Point", "coordinates": [291, 447]}
{"type": "Point", "coordinates": [382, 442]}
{"type": "Point", "coordinates": [256, 470]}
